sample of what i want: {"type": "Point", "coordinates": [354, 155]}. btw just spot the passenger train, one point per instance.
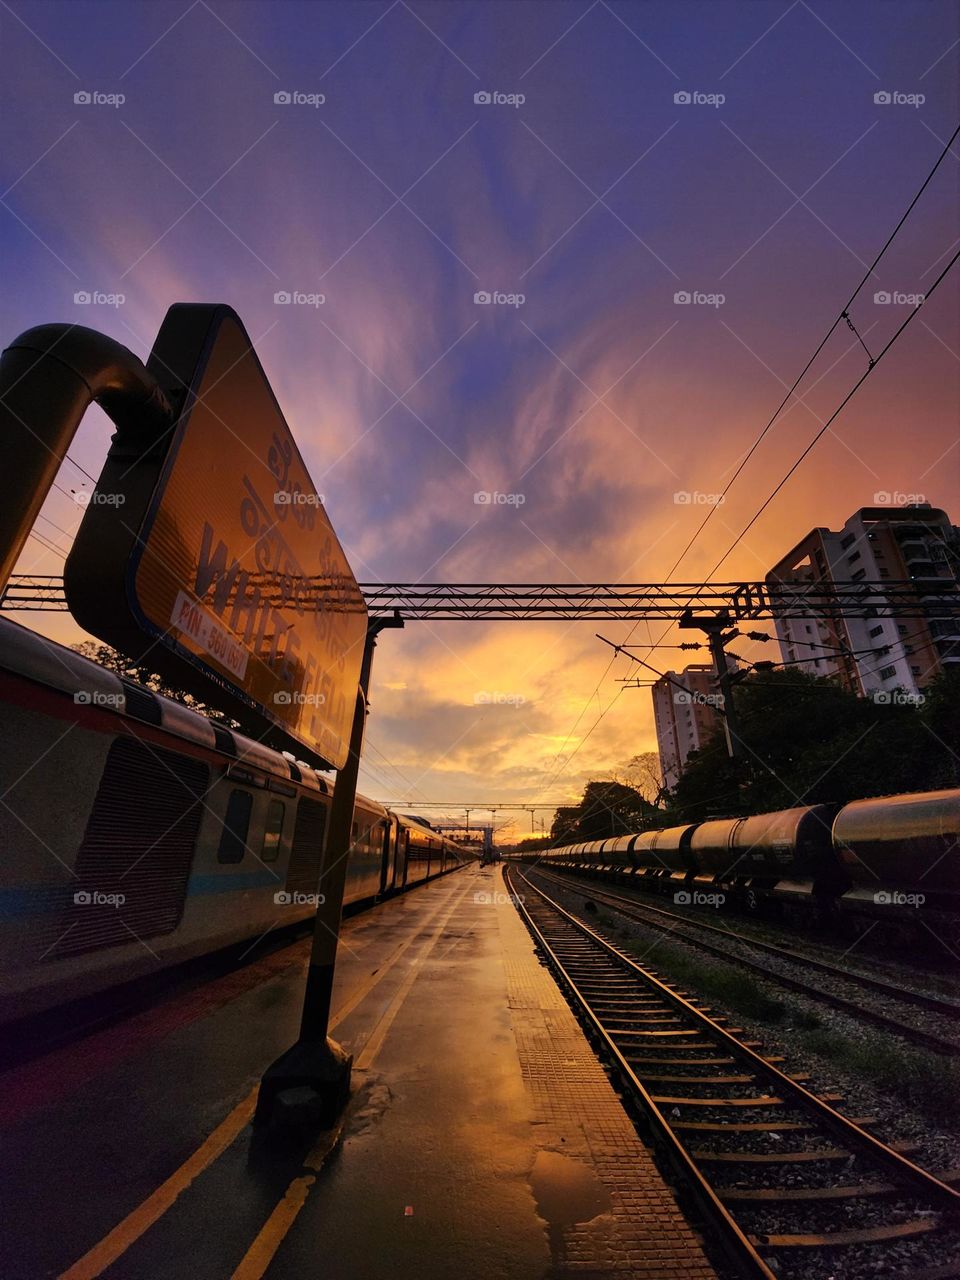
{"type": "Point", "coordinates": [137, 833]}
{"type": "Point", "coordinates": [891, 861]}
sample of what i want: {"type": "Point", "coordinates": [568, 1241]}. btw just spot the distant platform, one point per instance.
{"type": "Point", "coordinates": [483, 1140]}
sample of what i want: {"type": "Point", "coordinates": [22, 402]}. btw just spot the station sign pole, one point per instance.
{"type": "Point", "coordinates": [310, 1082]}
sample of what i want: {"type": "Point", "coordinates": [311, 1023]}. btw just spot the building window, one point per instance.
{"type": "Point", "coordinates": [848, 541]}
{"type": "Point", "coordinates": [876, 631]}
{"type": "Point", "coordinates": [858, 576]}
{"type": "Point", "coordinates": [915, 670]}
{"type": "Point", "coordinates": [886, 672]}
{"type": "Point", "coordinates": [884, 573]}
{"type": "Point", "coordinates": [854, 558]}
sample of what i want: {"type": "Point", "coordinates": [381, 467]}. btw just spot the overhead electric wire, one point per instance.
{"type": "Point", "coordinates": [396, 769]}
{"type": "Point", "coordinates": [80, 469]}
{"type": "Point", "coordinates": [902, 642]}
{"type": "Point", "coordinates": [664, 675]}
{"type": "Point", "coordinates": [46, 543]}
{"type": "Point", "coordinates": [823, 342]}
{"type": "Point", "coordinates": [840, 317]}
{"type": "Point", "coordinates": [826, 426]}
{"type": "Point", "coordinates": [53, 523]}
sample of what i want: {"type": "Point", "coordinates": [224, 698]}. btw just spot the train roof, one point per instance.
{"type": "Point", "coordinates": [670, 837]}
{"type": "Point", "coordinates": [35, 657]}
{"type": "Point", "coordinates": [785, 826]}
{"type": "Point", "coordinates": [618, 844]}
{"type": "Point", "coordinates": [918, 813]}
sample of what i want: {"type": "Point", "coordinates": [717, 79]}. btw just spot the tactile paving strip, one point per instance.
{"type": "Point", "coordinates": [643, 1233]}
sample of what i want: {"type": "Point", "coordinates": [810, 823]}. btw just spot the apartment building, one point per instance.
{"type": "Point", "coordinates": [685, 714]}
{"type": "Point", "coordinates": [875, 655]}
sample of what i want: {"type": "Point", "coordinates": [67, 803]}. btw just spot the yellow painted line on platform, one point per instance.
{"type": "Point", "coordinates": [133, 1226]}
{"type": "Point", "coordinates": [126, 1233]}
{"type": "Point", "coordinates": [374, 1043]}
{"type": "Point", "coordinates": [261, 1253]}
{"type": "Point", "coordinates": [257, 1259]}
{"type": "Point", "coordinates": [363, 989]}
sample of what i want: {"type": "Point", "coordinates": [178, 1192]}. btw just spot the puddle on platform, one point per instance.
{"type": "Point", "coordinates": [567, 1191]}
{"type": "Point", "coordinates": [368, 1106]}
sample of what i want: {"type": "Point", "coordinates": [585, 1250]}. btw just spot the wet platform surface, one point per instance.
{"type": "Point", "coordinates": [483, 1139]}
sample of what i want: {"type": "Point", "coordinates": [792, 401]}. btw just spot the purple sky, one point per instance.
{"type": "Point", "coordinates": [597, 198]}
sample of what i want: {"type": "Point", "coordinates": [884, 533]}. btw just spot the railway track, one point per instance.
{"type": "Point", "coordinates": [697, 932]}
{"type": "Point", "coordinates": [792, 1187]}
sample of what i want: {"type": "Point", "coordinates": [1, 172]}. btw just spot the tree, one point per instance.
{"type": "Point", "coordinates": [643, 773]}
{"type": "Point", "coordinates": [811, 741]}
{"type": "Point", "coordinates": [141, 673]}
{"type": "Point", "coordinates": [708, 786]}
{"type": "Point", "coordinates": [564, 825]}
{"type": "Point", "coordinates": [940, 717]}
{"type": "Point", "coordinates": [608, 808]}
{"type": "Point", "coordinates": [532, 844]}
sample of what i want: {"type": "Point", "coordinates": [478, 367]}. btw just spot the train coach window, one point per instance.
{"type": "Point", "coordinates": [236, 823]}
{"type": "Point", "coordinates": [272, 831]}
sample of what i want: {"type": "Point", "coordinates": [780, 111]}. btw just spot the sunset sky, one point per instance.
{"type": "Point", "coordinates": [598, 399]}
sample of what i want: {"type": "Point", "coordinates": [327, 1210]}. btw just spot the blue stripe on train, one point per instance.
{"type": "Point", "coordinates": [44, 900]}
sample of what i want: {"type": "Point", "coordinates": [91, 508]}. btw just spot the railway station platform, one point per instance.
{"type": "Point", "coordinates": [483, 1140]}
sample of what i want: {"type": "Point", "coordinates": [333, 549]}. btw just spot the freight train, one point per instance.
{"type": "Point", "coordinates": [893, 861]}
{"type": "Point", "coordinates": [137, 834]}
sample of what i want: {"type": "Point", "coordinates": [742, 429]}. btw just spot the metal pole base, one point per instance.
{"type": "Point", "coordinates": [307, 1085]}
